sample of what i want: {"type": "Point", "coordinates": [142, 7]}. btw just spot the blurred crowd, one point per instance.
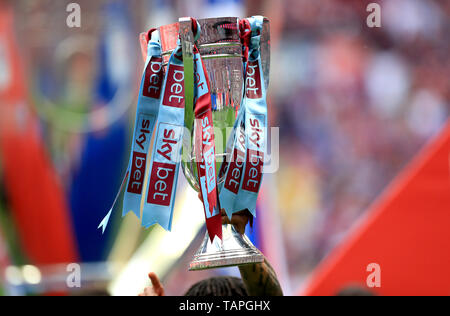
{"type": "Point", "coordinates": [354, 104]}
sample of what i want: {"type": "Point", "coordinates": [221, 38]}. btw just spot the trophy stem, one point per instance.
{"type": "Point", "coordinates": [234, 249]}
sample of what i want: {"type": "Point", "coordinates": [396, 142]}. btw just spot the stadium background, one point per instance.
{"type": "Point", "coordinates": [354, 106]}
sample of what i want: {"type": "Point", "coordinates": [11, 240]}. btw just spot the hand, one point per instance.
{"type": "Point", "coordinates": [239, 219]}
{"type": "Point", "coordinates": [156, 289]}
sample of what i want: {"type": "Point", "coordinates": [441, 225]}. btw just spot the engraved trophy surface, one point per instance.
{"type": "Point", "coordinates": [220, 47]}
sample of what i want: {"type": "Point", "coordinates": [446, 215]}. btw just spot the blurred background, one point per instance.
{"type": "Point", "coordinates": [353, 105]}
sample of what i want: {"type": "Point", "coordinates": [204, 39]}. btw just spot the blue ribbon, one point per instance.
{"type": "Point", "coordinates": [255, 123]}
{"type": "Point", "coordinates": [146, 116]}
{"type": "Point", "coordinates": [166, 154]}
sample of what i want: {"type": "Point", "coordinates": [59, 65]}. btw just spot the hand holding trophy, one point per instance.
{"type": "Point", "coordinates": [204, 88]}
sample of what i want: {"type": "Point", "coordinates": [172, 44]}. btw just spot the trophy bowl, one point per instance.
{"type": "Point", "coordinates": [220, 46]}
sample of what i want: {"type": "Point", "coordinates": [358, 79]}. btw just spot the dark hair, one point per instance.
{"type": "Point", "coordinates": [355, 290]}
{"type": "Point", "coordinates": [218, 286]}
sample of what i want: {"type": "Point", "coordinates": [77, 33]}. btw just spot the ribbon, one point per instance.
{"type": "Point", "coordinates": [146, 116]}
{"type": "Point", "coordinates": [233, 168]}
{"type": "Point", "coordinates": [204, 143]}
{"type": "Point", "coordinates": [255, 121]}
{"type": "Point", "coordinates": [246, 146]}
{"type": "Point", "coordinates": [165, 161]}
{"type": "Point", "coordinates": [245, 34]}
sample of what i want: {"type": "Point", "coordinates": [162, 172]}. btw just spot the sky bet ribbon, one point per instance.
{"type": "Point", "coordinates": [204, 143]}
{"type": "Point", "coordinates": [233, 166]}
{"type": "Point", "coordinates": [255, 122]}
{"type": "Point", "coordinates": [146, 116]}
{"type": "Point", "coordinates": [166, 154]}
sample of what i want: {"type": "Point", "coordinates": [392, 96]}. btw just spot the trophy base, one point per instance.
{"type": "Point", "coordinates": [234, 249]}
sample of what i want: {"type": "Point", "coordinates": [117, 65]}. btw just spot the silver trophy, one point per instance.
{"type": "Point", "coordinates": [220, 47]}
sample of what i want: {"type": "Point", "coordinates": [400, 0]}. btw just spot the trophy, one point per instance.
{"type": "Point", "coordinates": [220, 46]}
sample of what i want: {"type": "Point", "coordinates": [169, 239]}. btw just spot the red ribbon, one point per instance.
{"type": "Point", "coordinates": [245, 34]}
{"type": "Point", "coordinates": [205, 151]}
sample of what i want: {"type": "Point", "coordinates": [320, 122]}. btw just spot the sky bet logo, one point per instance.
{"type": "Point", "coordinates": [174, 90]}
{"type": "Point", "coordinates": [255, 154]}
{"type": "Point", "coordinates": [139, 159]}
{"type": "Point", "coordinates": [153, 78]}
{"type": "Point", "coordinates": [236, 165]}
{"type": "Point", "coordinates": [209, 153]}
{"type": "Point", "coordinates": [253, 81]}
{"type": "Point", "coordinates": [164, 165]}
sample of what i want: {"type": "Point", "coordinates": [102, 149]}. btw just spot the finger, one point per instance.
{"type": "Point", "coordinates": [239, 223]}
{"type": "Point", "coordinates": [155, 280]}
{"type": "Point", "coordinates": [158, 288]}
{"type": "Point", "coordinates": [240, 220]}
{"type": "Point", "coordinates": [225, 219]}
